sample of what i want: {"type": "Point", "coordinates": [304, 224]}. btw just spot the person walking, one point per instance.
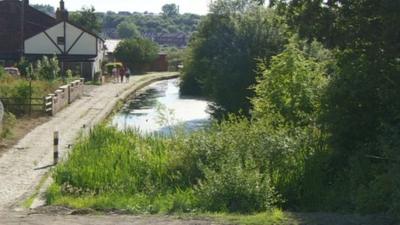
{"type": "Point", "coordinates": [122, 74]}
{"type": "Point", "coordinates": [127, 74]}
{"type": "Point", "coordinates": [115, 74]}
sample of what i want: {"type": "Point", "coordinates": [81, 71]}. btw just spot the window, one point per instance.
{"type": "Point", "coordinates": [61, 40]}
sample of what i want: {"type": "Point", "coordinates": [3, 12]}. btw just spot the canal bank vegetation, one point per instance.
{"type": "Point", "coordinates": [321, 73]}
{"type": "Point", "coordinates": [234, 166]}
{"type": "Point", "coordinates": [18, 92]}
{"type": "Point", "coordinates": [125, 170]}
{"type": "Point", "coordinates": [315, 124]}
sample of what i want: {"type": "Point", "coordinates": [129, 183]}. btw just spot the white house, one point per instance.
{"type": "Point", "coordinates": [76, 48]}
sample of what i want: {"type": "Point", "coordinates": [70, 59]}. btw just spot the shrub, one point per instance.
{"type": "Point", "coordinates": [7, 124]}
{"type": "Point", "coordinates": [24, 67]}
{"type": "Point", "coordinates": [18, 90]}
{"type": "Point", "coordinates": [234, 189]}
{"type": "Point", "coordinates": [2, 72]}
{"type": "Point", "coordinates": [47, 69]}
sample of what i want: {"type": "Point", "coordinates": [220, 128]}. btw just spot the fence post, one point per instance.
{"type": "Point", "coordinates": [30, 96]}
{"type": "Point", "coordinates": [56, 143]}
{"type": "Point", "coordinates": [44, 104]}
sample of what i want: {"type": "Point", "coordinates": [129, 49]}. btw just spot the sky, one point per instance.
{"type": "Point", "coordinates": [191, 6]}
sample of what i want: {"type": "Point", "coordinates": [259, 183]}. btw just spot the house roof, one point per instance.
{"type": "Point", "coordinates": [35, 22]}
{"type": "Point", "coordinates": [11, 37]}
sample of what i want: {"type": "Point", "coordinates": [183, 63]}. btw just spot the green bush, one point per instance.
{"type": "Point", "coordinates": [2, 72]}
{"type": "Point", "coordinates": [18, 90]}
{"type": "Point", "coordinates": [7, 124]}
{"type": "Point", "coordinates": [24, 67]}
{"type": "Point", "coordinates": [48, 69]}
{"type": "Point", "coordinates": [234, 189]}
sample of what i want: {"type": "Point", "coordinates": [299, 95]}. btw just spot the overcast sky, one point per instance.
{"type": "Point", "coordinates": [192, 6]}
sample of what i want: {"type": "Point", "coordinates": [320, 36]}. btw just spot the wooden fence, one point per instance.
{"type": "Point", "coordinates": [23, 105]}
{"type": "Point", "coordinates": [50, 104]}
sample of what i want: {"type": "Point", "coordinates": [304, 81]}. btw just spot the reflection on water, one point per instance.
{"type": "Point", "coordinates": [159, 108]}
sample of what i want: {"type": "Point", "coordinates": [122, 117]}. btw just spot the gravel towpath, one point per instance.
{"type": "Point", "coordinates": [16, 218]}
{"type": "Point", "coordinates": [23, 166]}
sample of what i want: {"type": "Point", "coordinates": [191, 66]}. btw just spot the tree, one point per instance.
{"type": "Point", "coordinates": [136, 53]}
{"type": "Point", "coordinates": [361, 108]}
{"type": "Point", "coordinates": [128, 30]}
{"type": "Point", "coordinates": [48, 9]}
{"type": "Point", "coordinates": [260, 2]}
{"type": "Point", "coordinates": [225, 51]}
{"type": "Point", "coordinates": [170, 10]}
{"type": "Point", "coordinates": [87, 19]}
{"type": "Point", "coordinates": [290, 90]}
{"type": "Point", "coordinates": [150, 23]}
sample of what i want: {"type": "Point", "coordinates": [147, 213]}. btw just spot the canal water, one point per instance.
{"type": "Point", "coordinates": [160, 108]}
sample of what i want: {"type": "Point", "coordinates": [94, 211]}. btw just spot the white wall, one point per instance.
{"type": "Point", "coordinates": [72, 33]}
{"type": "Point", "coordinates": [85, 46]}
{"type": "Point", "coordinates": [100, 56]}
{"type": "Point", "coordinates": [40, 43]}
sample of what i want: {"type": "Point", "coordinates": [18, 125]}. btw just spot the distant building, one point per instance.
{"type": "Point", "coordinates": [27, 32]}
{"type": "Point", "coordinates": [179, 40]}
{"type": "Point", "coordinates": [124, 13]}
{"type": "Point", "coordinates": [111, 45]}
{"type": "Point", "coordinates": [161, 63]}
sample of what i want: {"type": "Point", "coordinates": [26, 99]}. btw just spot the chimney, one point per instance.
{"type": "Point", "coordinates": [62, 13]}
{"type": "Point", "coordinates": [26, 3]}
{"type": "Point", "coordinates": [62, 5]}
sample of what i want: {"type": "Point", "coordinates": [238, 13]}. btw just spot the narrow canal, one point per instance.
{"type": "Point", "coordinates": [159, 108]}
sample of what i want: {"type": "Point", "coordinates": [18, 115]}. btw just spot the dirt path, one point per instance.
{"type": "Point", "coordinates": [39, 219]}
{"type": "Point", "coordinates": [22, 166]}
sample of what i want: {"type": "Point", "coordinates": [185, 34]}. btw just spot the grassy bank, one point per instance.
{"type": "Point", "coordinates": [113, 169]}
{"type": "Point", "coordinates": [18, 90]}
{"type": "Point", "coordinates": [228, 172]}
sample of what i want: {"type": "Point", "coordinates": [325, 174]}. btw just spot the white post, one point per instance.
{"type": "Point", "coordinates": [56, 143]}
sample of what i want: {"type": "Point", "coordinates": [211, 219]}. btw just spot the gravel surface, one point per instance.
{"type": "Point", "coordinates": [22, 166]}
{"type": "Point", "coordinates": [39, 219]}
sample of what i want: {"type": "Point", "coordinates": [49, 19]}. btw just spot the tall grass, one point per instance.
{"type": "Point", "coordinates": [18, 90]}
{"type": "Point", "coordinates": [219, 169]}
{"type": "Point", "coordinates": [15, 87]}
{"type": "Point", "coordinates": [114, 162]}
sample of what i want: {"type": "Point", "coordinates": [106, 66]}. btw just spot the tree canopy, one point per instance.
{"type": "Point", "coordinates": [136, 53]}
{"type": "Point", "coordinates": [170, 10]}
{"type": "Point", "coordinates": [332, 95]}
{"type": "Point", "coordinates": [148, 23]}
{"type": "Point", "coordinates": [87, 19]}
{"type": "Point", "coordinates": [128, 30]}
{"type": "Point", "coordinates": [48, 9]}
{"type": "Point", "coordinates": [225, 51]}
